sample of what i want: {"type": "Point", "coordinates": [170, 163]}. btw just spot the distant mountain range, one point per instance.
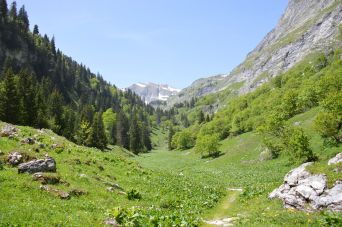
{"type": "Point", "coordinates": [151, 92]}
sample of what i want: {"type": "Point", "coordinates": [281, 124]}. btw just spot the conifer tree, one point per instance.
{"type": "Point", "coordinates": [135, 143]}
{"type": "Point", "coordinates": [42, 121]}
{"type": "Point", "coordinates": [27, 92]}
{"type": "Point", "coordinates": [56, 110]}
{"type": "Point", "coordinates": [35, 30]}
{"type": "Point", "coordinates": [97, 136]}
{"type": "Point", "coordinates": [23, 18]}
{"type": "Point", "coordinates": [3, 11]}
{"type": "Point", "coordinates": [122, 127]}
{"type": "Point", "coordinates": [201, 118]}
{"type": "Point", "coordinates": [13, 11]}
{"type": "Point", "coordinates": [170, 135]}
{"type": "Point", "coordinates": [146, 137]}
{"type": "Point", "coordinates": [10, 98]}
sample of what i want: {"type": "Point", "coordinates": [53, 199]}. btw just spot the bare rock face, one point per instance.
{"type": "Point", "coordinates": [304, 191]}
{"type": "Point", "coordinates": [336, 159]}
{"type": "Point", "coordinates": [39, 165]}
{"type": "Point", "coordinates": [307, 26]}
{"type": "Point", "coordinates": [15, 158]}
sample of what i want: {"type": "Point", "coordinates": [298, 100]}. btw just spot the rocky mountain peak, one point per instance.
{"type": "Point", "coordinates": [153, 92]}
{"type": "Point", "coordinates": [305, 27]}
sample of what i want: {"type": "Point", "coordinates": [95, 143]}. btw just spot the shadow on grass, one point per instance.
{"type": "Point", "coordinates": [213, 155]}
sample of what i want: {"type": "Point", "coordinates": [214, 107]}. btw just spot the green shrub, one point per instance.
{"type": "Point", "coordinates": [133, 195]}
{"type": "Point", "coordinates": [297, 145]}
{"type": "Point", "coordinates": [183, 140]}
{"type": "Point", "coordinates": [208, 145]}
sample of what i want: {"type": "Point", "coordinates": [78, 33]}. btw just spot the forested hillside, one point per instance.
{"type": "Point", "coordinates": [42, 87]}
{"type": "Point", "coordinates": [315, 82]}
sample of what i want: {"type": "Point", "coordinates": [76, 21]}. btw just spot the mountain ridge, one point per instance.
{"type": "Point", "coordinates": [151, 92]}
{"type": "Point", "coordinates": [305, 27]}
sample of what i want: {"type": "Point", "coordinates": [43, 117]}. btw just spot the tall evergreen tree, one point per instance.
{"type": "Point", "coordinates": [146, 137]}
{"type": "Point", "coordinates": [122, 128]}
{"type": "Point", "coordinates": [35, 30]}
{"type": "Point", "coordinates": [27, 86]}
{"type": "Point", "coordinates": [135, 143]}
{"type": "Point", "coordinates": [10, 99]}
{"type": "Point", "coordinates": [23, 18]}
{"type": "Point", "coordinates": [3, 11]}
{"type": "Point", "coordinates": [56, 110]}
{"type": "Point", "coordinates": [170, 135]}
{"type": "Point", "coordinates": [13, 11]}
{"type": "Point", "coordinates": [97, 137]}
{"type": "Point", "coordinates": [42, 120]}
{"type": "Point", "coordinates": [201, 117]}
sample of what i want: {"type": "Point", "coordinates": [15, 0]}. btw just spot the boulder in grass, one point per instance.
{"type": "Point", "coordinates": [28, 140]}
{"type": "Point", "coordinates": [8, 131]}
{"type": "Point", "coordinates": [336, 159]}
{"type": "Point", "coordinates": [46, 178]}
{"type": "Point", "coordinates": [39, 165]}
{"type": "Point", "coordinates": [56, 192]}
{"type": "Point", "coordinates": [15, 158]}
{"type": "Point", "coordinates": [305, 191]}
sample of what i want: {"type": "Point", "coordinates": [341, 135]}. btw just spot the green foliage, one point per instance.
{"type": "Point", "coordinates": [208, 145]}
{"type": "Point", "coordinates": [10, 98]}
{"type": "Point", "coordinates": [329, 121]}
{"type": "Point", "coordinates": [313, 82]}
{"type": "Point", "coordinates": [42, 87]}
{"type": "Point", "coordinates": [297, 145]}
{"type": "Point", "coordinates": [133, 195]}
{"type": "Point", "coordinates": [330, 219]}
{"type": "Point", "coordinates": [183, 140]}
{"type": "Point", "coordinates": [97, 137]}
{"type": "Point", "coordinates": [109, 122]}
{"type": "Point", "coordinates": [169, 138]}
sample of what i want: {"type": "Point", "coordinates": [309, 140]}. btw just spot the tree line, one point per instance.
{"type": "Point", "coordinates": [43, 88]}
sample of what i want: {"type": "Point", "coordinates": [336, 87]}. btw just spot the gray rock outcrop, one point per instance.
{"type": "Point", "coordinates": [304, 191]}
{"type": "Point", "coordinates": [8, 131]}
{"type": "Point", "coordinates": [307, 26]}
{"type": "Point", "coordinates": [336, 159]}
{"type": "Point", "coordinates": [39, 165]}
{"type": "Point", "coordinates": [15, 158]}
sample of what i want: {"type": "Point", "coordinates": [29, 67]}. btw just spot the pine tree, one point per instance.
{"type": "Point", "coordinates": [122, 127]}
{"type": "Point", "coordinates": [27, 86]}
{"type": "Point", "coordinates": [146, 137]}
{"type": "Point", "coordinates": [53, 46]}
{"type": "Point", "coordinates": [169, 139]}
{"type": "Point", "coordinates": [56, 111]}
{"type": "Point", "coordinates": [13, 11]}
{"type": "Point", "coordinates": [3, 11]}
{"type": "Point", "coordinates": [10, 99]}
{"type": "Point", "coordinates": [201, 118]}
{"type": "Point", "coordinates": [97, 136]}
{"type": "Point", "coordinates": [42, 121]}
{"type": "Point", "coordinates": [23, 18]}
{"type": "Point", "coordinates": [135, 143]}
{"type": "Point", "coordinates": [35, 30]}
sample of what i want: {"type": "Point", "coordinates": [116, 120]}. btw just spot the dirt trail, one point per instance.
{"type": "Point", "coordinates": [219, 217]}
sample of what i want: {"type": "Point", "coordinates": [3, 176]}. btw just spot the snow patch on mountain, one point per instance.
{"type": "Point", "coordinates": [153, 92]}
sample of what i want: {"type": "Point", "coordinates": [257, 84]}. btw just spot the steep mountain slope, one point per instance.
{"type": "Point", "coordinates": [306, 26]}
{"type": "Point", "coordinates": [42, 87]}
{"type": "Point", "coordinates": [153, 92]}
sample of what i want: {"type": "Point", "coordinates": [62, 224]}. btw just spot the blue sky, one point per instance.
{"type": "Point", "coordinates": [173, 42]}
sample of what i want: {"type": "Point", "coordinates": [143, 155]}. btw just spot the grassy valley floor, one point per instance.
{"type": "Point", "coordinates": [176, 187]}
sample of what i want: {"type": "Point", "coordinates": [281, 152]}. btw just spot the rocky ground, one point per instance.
{"type": "Point", "coordinates": [305, 191]}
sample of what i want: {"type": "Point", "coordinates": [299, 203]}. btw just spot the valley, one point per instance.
{"type": "Point", "coordinates": [259, 146]}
